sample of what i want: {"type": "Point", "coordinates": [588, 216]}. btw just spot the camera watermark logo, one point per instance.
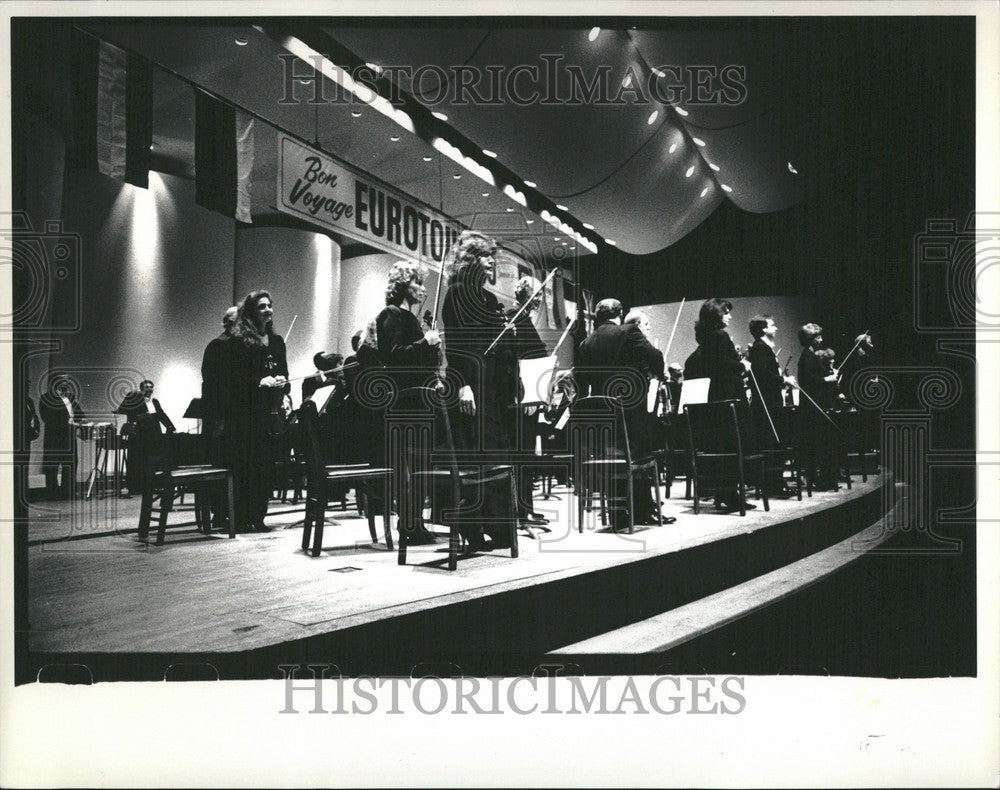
{"type": "Point", "coordinates": [45, 274]}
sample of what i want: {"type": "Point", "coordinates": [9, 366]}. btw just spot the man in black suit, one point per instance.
{"type": "Point", "coordinates": [619, 360]}
{"type": "Point", "coordinates": [59, 411]}
{"type": "Point", "coordinates": [145, 424]}
{"type": "Point", "coordinates": [767, 384]}
{"type": "Point", "coordinates": [215, 399]}
{"type": "Point", "coordinates": [817, 381]}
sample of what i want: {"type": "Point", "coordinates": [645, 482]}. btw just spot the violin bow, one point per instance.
{"type": "Point", "coordinates": [860, 340]}
{"type": "Point", "coordinates": [512, 321]}
{"type": "Point", "coordinates": [767, 411]}
{"type": "Point", "coordinates": [678, 318]}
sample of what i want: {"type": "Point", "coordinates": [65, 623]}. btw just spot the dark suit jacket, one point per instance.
{"type": "Point", "coordinates": [215, 381]}
{"type": "Point", "coordinates": [812, 371]}
{"type": "Point", "coordinates": [613, 351]}
{"type": "Point", "coordinates": [721, 363]}
{"type": "Point", "coordinates": [145, 422]}
{"type": "Point", "coordinates": [767, 374]}
{"type": "Point", "coordinates": [619, 360]}
{"type": "Point", "coordinates": [59, 435]}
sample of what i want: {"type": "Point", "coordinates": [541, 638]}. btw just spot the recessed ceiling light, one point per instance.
{"type": "Point", "coordinates": [486, 194]}
{"type": "Point", "coordinates": [556, 238]}
{"type": "Point", "coordinates": [565, 243]}
{"type": "Point", "coordinates": [657, 72]}
{"type": "Point", "coordinates": [561, 207]}
{"type": "Point", "coordinates": [681, 111]}
{"type": "Point", "coordinates": [457, 176]}
{"type": "Point", "coordinates": [698, 141]}
{"type": "Point", "coordinates": [530, 221]}
{"type": "Point", "coordinates": [704, 192]}
{"type": "Point", "coordinates": [489, 153]}
{"type": "Point", "coordinates": [509, 209]}
{"type": "Point", "coordinates": [440, 116]}
{"type": "Point", "coordinates": [594, 33]}
{"type": "Point", "coordinates": [394, 138]}
{"type": "Point", "coordinates": [726, 187]}
{"type": "Point", "coordinates": [673, 147]}
{"type": "Point", "coordinates": [428, 158]}
{"type": "Point", "coordinates": [241, 41]}
{"type": "Point", "coordinates": [792, 169]}
{"type": "Point", "coordinates": [653, 116]}
{"type": "Point", "coordinates": [355, 113]}
{"type": "Point", "coordinates": [588, 226]}
{"type": "Point", "coordinates": [612, 243]}
{"type": "Point", "coordinates": [627, 82]}
{"type": "Point", "coordinates": [690, 170]}
{"type": "Point", "coordinates": [531, 184]}
{"type": "Point", "coordinates": [714, 167]}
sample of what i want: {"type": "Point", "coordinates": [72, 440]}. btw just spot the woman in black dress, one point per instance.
{"type": "Point", "coordinates": [410, 355]}
{"type": "Point", "coordinates": [473, 318]}
{"type": "Point", "coordinates": [259, 372]}
{"type": "Point", "coordinates": [721, 362]}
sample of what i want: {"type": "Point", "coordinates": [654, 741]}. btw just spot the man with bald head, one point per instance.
{"type": "Point", "coordinates": [619, 360]}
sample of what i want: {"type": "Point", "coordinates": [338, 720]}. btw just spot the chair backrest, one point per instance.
{"type": "Point", "coordinates": [413, 406]}
{"type": "Point", "coordinates": [598, 428]}
{"type": "Point", "coordinates": [714, 427]}
{"type": "Point", "coordinates": [309, 445]}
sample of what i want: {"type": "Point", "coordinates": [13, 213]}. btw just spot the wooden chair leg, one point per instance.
{"type": "Point", "coordinates": [362, 496]}
{"type": "Point", "coordinates": [454, 537]}
{"type": "Point", "coordinates": [580, 503]}
{"type": "Point", "coordinates": [403, 516]}
{"type": "Point", "coordinates": [694, 488]}
{"type": "Point", "coordinates": [166, 503]}
{"type": "Point", "coordinates": [231, 505]}
{"type": "Point", "coordinates": [319, 517]}
{"type": "Point", "coordinates": [386, 512]}
{"type": "Point", "coordinates": [762, 488]}
{"type": "Point", "coordinates": [629, 501]}
{"type": "Point", "coordinates": [659, 501]}
{"type": "Point", "coordinates": [307, 524]}
{"type": "Point", "coordinates": [145, 514]}
{"type": "Point", "coordinates": [512, 520]}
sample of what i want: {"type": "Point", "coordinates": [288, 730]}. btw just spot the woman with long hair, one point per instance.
{"type": "Point", "coordinates": [487, 382]}
{"type": "Point", "coordinates": [719, 359]}
{"type": "Point", "coordinates": [722, 364]}
{"type": "Point", "coordinates": [259, 384]}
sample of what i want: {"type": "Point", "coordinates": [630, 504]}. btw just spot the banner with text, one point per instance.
{"type": "Point", "coordinates": [319, 189]}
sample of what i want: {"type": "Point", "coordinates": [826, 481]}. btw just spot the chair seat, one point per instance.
{"type": "Point", "coordinates": [340, 473]}
{"type": "Point", "coordinates": [470, 476]}
{"type": "Point", "coordinates": [192, 472]}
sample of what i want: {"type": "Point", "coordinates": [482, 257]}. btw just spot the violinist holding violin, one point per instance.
{"type": "Point", "coordinates": [818, 380]}
{"type": "Point", "coordinates": [769, 384]}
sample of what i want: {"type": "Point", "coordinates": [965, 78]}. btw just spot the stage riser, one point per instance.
{"type": "Point", "coordinates": [510, 632]}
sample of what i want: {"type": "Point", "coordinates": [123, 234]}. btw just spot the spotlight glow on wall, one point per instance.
{"type": "Point", "coordinates": [594, 33]}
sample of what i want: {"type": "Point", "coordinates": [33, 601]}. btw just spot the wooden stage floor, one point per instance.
{"type": "Point", "coordinates": [93, 588]}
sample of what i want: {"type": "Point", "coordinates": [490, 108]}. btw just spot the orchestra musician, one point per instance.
{"type": "Point", "coordinates": [723, 365]}
{"type": "Point", "coordinates": [769, 384]}
{"type": "Point", "coordinates": [488, 383]}
{"type": "Point", "coordinates": [214, 397]}
{"type": "Point", "coordinates": [818, 380]}
{"type": "Point", "coordinates": [145, 424]}
{"type": "Point", "coordinates": [59, 410]}
{"type": "Point", "coordinates": [528, 345]}
{"type": "Point", "coordinates": [408, 350]}
{"type": "Point", "coordinates": [611, 350]}
{"type": "Point", "coordinates": [255, 415]}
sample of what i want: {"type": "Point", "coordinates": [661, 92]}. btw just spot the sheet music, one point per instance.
{"type": "Point", "coordinates": [536, 377]}
{"type": "Point", "coordinates": [693, 391]}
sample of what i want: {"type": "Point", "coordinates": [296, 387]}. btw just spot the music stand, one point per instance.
{"type": "Point", "coordinates": [693, 391]}
{"type": "Point", "coordinates": [194, 411]}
